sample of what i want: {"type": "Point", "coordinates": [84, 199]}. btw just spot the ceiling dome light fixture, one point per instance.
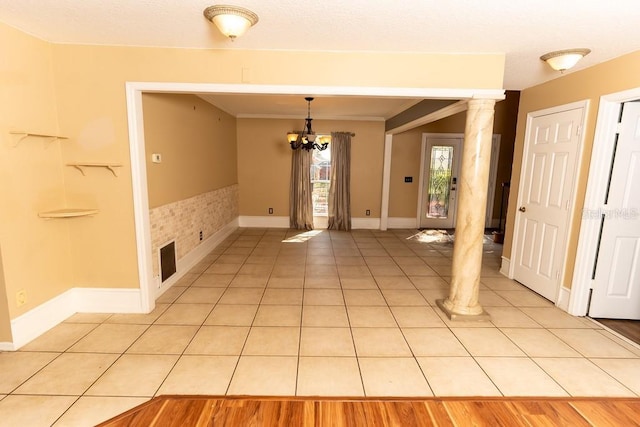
{"type": "Point", "coordinates": [561, 60]}
{"type": "Point", "coordinates": [232, 21]}
{"type": "Point", "coordinates": [307, 138]}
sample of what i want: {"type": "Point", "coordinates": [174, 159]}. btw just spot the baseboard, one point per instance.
{"type": "Point", "coordinates": [107, 300]}
{"type": "Point", "coordinates": [40, 319]}
{"type": "Point", "coordinates": [6, 346]}
{"type": "Point", "coordinates": [184, 264]}
{"type": "Point", "coordinates": [365, 223]}
{"type": "Point", "coordinates": [283, 222]}
{"type": "Point", "coordinates": [505, 267]}
{"type": "Point", "coordinates": [398, 222]}
{"type": "Point", "coordinates": [563, 298]}
{"type": "Point", "coordinates": [263, 221]}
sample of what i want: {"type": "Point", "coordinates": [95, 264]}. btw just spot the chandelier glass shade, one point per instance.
{"type": "Point", "coordinates": [307, 139]}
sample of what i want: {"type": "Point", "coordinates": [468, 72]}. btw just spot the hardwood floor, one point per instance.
{"type": "Point", "coordinates": [627, 328]}
{"type": "Point", "coordinates": [273, 411]}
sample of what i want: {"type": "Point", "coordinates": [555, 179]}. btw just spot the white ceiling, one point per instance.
{"type": "Point", "coordinates": [322, 107]}
{"type": "Point", "coordinates": [521, 29]}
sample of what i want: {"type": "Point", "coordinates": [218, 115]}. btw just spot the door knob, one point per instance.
{"type": "Point", "coordinates": [522, 209]}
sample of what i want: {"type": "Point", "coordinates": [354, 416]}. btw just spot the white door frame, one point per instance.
{"type": "Point", "coordinates": [562, 296]}
{"type": "Point", "coordinates": [493, 172]}
{"type": "Point", "coordinates": [603, 142]}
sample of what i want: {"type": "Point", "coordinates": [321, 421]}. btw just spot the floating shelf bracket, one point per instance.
{"type": "Point", "coordinates": [23, 135]}
{"type": "Point", "coordinates": [67, 213]}
{"type": "Point", "coordinates": [111, 166]}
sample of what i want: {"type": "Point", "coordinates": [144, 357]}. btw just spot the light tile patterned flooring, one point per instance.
{"type": "Point", "coordinates": [283, 312]}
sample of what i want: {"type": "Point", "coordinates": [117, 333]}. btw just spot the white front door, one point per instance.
{"type": "Point", "coordinates": [546, 187]}
{"type": "Point", "coordinates": [439, 182]}
{"type": "Point", "coordinates": [616, 282]}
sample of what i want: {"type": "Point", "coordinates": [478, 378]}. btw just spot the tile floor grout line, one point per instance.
{"type": "Point", "coordinates": [246, 339]}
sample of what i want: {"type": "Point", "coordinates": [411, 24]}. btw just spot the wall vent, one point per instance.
{"type": "Point", "coordinates": [168, 260]}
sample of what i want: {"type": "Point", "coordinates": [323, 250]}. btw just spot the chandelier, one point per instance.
{"type": "Point", "coordinates": [307, 138]}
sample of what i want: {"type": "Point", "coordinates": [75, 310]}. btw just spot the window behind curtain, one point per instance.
{"type": "Point", "coordinates": [320, 176]}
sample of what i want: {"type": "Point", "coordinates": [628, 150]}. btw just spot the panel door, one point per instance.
{"type": "Point", "coordinates": [616, 285]}
{"type": "Point", "coordinates": [546, 182]}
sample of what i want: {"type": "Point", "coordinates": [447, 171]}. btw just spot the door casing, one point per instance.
{"type": "Point", "coordinates": [603, 142]}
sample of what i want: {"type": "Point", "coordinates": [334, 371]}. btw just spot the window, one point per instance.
{"type": "Point", "coordinates": [320, 177]}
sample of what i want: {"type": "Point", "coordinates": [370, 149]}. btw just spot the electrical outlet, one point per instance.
{"type": "Point", "coordinates": [201, 237]}
{"type": "Point", "coordinates": [21, 297]}
{"type": "Point", "coordinates": [368, 212]}
{"type": "Point", "coordinates": [270, 211]}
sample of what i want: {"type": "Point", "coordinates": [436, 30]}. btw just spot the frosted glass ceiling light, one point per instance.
{"type": "Point", "coordinates": [561, 60]}
{"type": "Point", "coordinates": [232, 21]}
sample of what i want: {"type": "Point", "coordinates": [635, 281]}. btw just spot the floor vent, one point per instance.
{"type": "Point", "coordinates": [168, 260]}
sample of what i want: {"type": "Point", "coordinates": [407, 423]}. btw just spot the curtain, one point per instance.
{"type": "Point", "coordinates": [339, 188]}
{"type": "Point", "coordinates": [300, 204]}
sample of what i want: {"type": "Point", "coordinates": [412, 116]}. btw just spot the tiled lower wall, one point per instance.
{"type": "Point", "coordinates": [182, 221]}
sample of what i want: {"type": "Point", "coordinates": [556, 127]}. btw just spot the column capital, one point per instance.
{"type": "Point", "coordinates": [481, 103]}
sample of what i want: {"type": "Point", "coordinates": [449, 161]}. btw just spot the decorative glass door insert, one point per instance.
{"type": "Point", "coordinates": [440, 181]}
{"type": "Point", "coordinates": [438, 204]}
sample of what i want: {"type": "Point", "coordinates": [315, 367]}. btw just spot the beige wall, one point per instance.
{"type": "Point", "coordinates": [590, 84]}
{"type": "Point", "coordinates": [197, 142]}
{"type": "Point", "coordinates": [35, 251]}
{"type": "Point", "coordinates": [5, 318]}
{"type": "Point", "coordinates": [405, 158]}
{"type": "Point", "coordinates": [264, 164]}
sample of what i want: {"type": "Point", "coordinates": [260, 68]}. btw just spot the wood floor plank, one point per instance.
{"type": "Point", "coordinates": [481, 413]}
{"type": "Point", "coordinates": [627, 328]}
{"type": "Point", "coordinates": [203, 411]}
{"type": "Point", "coordinates": [546, 413]}
{"type": "Point", "coordinates": [438, 413]}
{"type": "Point", "coordinates": [602, 413]}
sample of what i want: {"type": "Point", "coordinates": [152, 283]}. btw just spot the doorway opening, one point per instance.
{"type": "Point", "coordinates": [607, 134]}
{"type": "Point", "coordinates": [439, 175]}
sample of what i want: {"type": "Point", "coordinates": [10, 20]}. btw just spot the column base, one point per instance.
{"type": "Point", "coordinates": [483, 316]}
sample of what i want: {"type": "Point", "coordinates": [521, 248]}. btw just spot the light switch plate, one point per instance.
{"type": "Point", "coordinates": [156, 158]}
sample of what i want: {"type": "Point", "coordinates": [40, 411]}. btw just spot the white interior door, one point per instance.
{"type": "Point", "coordinates": [616, 282]}
{"type": "Point", "coordinates": [439, 192]}
{"type": "Point", "coordinates": [546, 186]}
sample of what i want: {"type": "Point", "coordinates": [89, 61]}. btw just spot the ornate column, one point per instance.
{"type": "Point", "coordinates": [462, 303]}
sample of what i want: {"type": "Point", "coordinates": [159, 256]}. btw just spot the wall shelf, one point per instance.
{"type": "Point", "coordinates": [23, 135]}
{"type": "Point", "coordinates": [67, 213]}
{"type": "Point", "coordinates": [111, 166]}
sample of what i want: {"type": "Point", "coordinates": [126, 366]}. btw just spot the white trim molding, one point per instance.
{"type": "Point", "coordinates": [563, 298]}
{"type": "Point", "coordinates": [386, 181]}
{"type": "Point", "coordinates": [603, 143]}
{"type": "Point", "coordinates": [365, 223]}
{"type": "Point", "coordinates": [398, 222]}
{"type": "Point", "coordinates": [40, 319]}
{"type": "Point", "coordinates": [505, 267]}
{"type": "Point", "coordinates": [263, 221]}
